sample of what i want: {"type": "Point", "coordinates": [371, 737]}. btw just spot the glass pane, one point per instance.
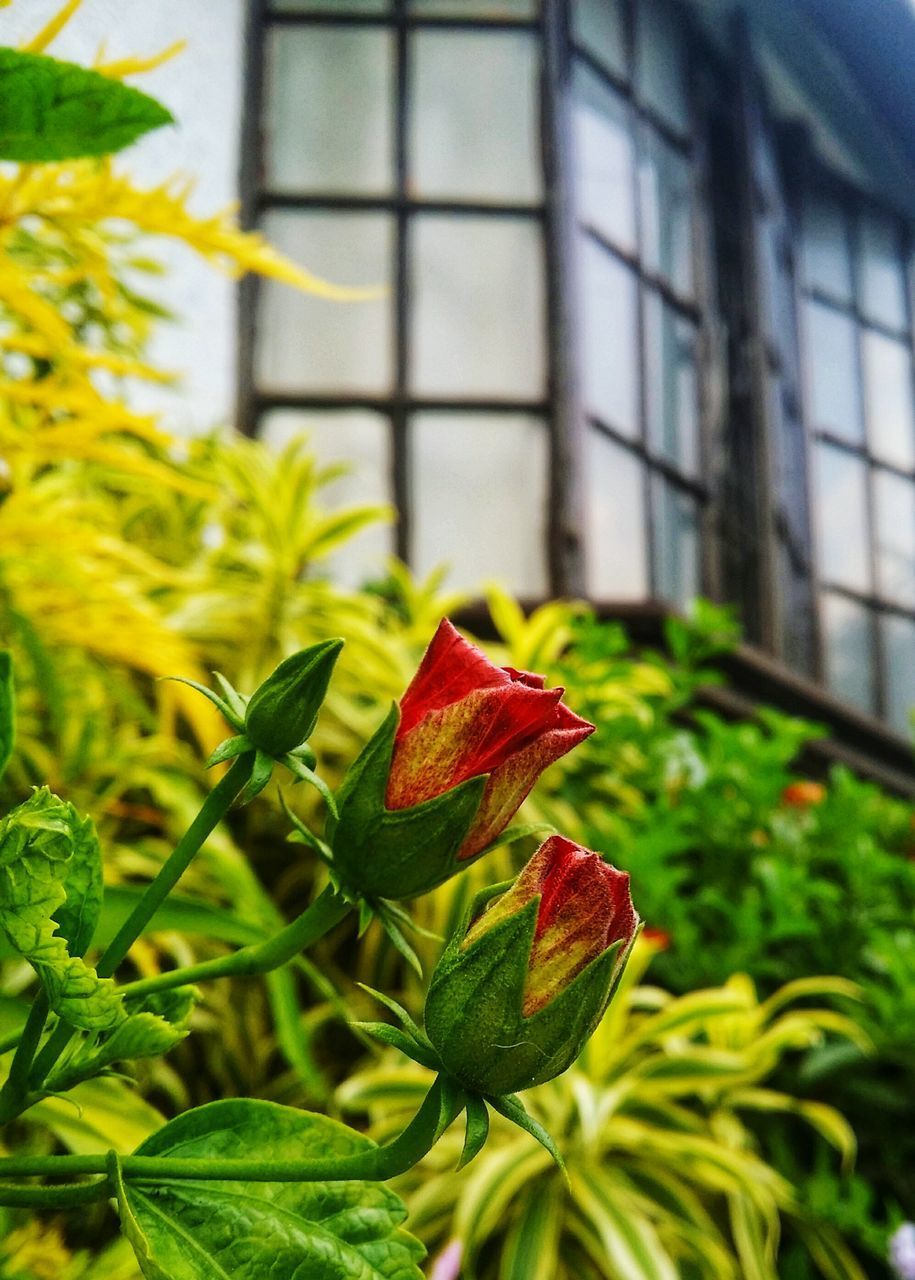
{"type": "Point", "coordinates": [604, 160]}
{"type": "Point", "coordinates": [835, 401]}
{"type": "Point", "coordinates": [329, 109]}
{"type": "Point", "coordinates": [882, 273]}
{"type": "Point", "coordinates": [306, 343]}
{"type": "Point", "coordinates": [888, 390]}
{"type": "Point", "coordinates": [361, 441]}
{"type": "Point", "coordinates": [475, 8]}
{"type": "Point", "coordinates": [597, 25]}
{"type": "Point", "coordinates": [898, 635]}
{"type": "Point", "coordinates": [478, 294]}
{"type": "Point", "coordinates": [610, 370]}
{"type": "Point", "coordinates": [474, 119]}
{"type": "Point", "coordinates": [660, 62]}
{"type": "Point", "coordinates": [335, 6]}
{"type": "Point", "coordinates": [826, 257]}
{"type": "Point", "coordinates": [480, 499]}
{"type": "Point", "coordinates": [841, 506]}
{"type": "Point", "coordinates": [671, 384]}
{"type": "Point", "coordinates": [617, 551]}
{"type": "Point", "coordinates": [665, 185]}
{"type": "Point", "coordinates": [848, 645]}
{"type": "Point", "coordinates": [894, 503]}
{"type": "Point", "coordinates": [676, 543]}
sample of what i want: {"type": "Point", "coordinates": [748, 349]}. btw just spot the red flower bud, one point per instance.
{"type": "Point", "coordinates": [516, 995]}
{"type": "Point", "coordinates": [803, 794]}
{"type": "Point", "coordinates": [462, 717]}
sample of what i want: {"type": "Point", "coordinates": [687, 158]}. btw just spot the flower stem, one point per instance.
{"type": "Point", "coordinates": [261, 957]}
{"type": "Point", "coordinates": [213, 810]}
{"type": "Point", "coordinates": [15, 1086]}
{"type": "Point", "coordinates": [440, 1106]}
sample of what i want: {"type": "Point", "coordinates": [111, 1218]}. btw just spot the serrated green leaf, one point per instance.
{"type": "Point", "coordinates": [52, 110]}
{"type": "Point", "coordinates": [154, 1024]}
{"type": "Point", "coordinates": [7, 710]}
{"type": "Point", "coordinates": [194, 1230]}
{"type": "Point", "coordinates": [43, 843]}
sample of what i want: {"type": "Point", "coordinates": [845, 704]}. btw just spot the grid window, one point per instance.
{"type": "Point", "coordinates": [635, 204]}
{"type": "Point", "coordinates": [858, 349]}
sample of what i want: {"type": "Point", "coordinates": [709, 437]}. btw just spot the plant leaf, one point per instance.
{"type": "Point", "coordinates": [477, 1130]}
{"type": "Point", "coordinates": [43, 842]}
{"type": "Point", "coordinates": [195, 1230]}
{"type": "Point", "coordinates": [52, 110]}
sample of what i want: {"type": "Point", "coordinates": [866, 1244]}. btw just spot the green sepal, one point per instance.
{"type": "Point", "coordinates": [476, 1131]}
{"type": "Point", "coordinates": [221, 705]}
{"type": "Point", "coordinates": [302, 773]}
{"type": "Point", "coordinates": [228, 750]}
{"type": "Point", "coordinates": [305, 754]}
{"type": "Point", "coordinates": [399, 1013]}
{"type": "Point", "coordinates": [7, 710]}
{"type": "Point", "coordinates": [261, 772]}
{"type": "Point", "coordinates": [302, 834]}
{"type": "Point", "coordinates": [394, 1038]}
{"type": "Point", "coordinates": [283, 711]}
{"type": "Point", "coordinates": [391, 919]}
{"type": "Point", "coordinates": [513, 1109]}
{"type": "Point", "coordinates": [237, 701]}
{"type": "Point", "coordinates": [397, 853]}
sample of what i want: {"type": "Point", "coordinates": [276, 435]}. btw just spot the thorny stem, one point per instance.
{"type": "Point", "coordinates": [441, 1105]}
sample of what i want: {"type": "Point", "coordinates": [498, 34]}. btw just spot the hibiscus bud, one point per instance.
{"type": "Point", "coordinates": [444, 775]}
{"type": "Point", "coordinates": [516, 995]}
{"type": "Point", "coordinates": [282, 712]}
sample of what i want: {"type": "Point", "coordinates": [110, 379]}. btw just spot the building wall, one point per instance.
{"type": "Point", "coordinates": [203, 89]}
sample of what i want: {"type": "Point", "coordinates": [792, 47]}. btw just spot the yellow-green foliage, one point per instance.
{"type": "Point", "coordinates": [665, 1177]}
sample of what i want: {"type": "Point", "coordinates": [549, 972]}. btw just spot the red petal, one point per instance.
{"type": "Point", "coordinates": [451, 668]}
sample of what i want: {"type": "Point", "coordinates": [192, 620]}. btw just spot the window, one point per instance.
{"type": "Point", "coordinates": [634, 337]}
{"type": "Point", "coordinates": [635, 179]}
{"type": "Point", "coordinates": [857, 347]}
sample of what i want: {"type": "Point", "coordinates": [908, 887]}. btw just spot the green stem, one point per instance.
{"type": "Point", "coordinates": [261, 957]}
{"type": "Point", "coordinates": [213, 810]}
{"type": "Point", "coordinates": [52, 1198]}
{"type": "Point", "coordinates": [440, 1106]}
{"type": "Point", "coordinates": [15, 1086]}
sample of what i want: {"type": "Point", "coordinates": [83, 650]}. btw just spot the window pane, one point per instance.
{"type": "Point", "coordinates": [827, 258]}
{"type": "Point", "coordinates": [361, 441]}
{"type": "Point", "coordinates": [882, 274]}
{"type": "Point", "coordinates": [666, 210]}
{"type": "Point", "coordinates": [660, 62]}
{"type": "Point", "coordinates": [475, 8]}
{"type": "Point", "coordinates": [841, 504]}
{"type": "Point", "coordinates": [671, 384]}
{"type": "Point", "coordinates": [848, 644]}
{"type": "Point", "coordinates": [474, 119]}
{"type": "Point", "coordinates": [894, 501]}
{"type": "Point", "coordinates": [479, 488]}
{"type": "Point", "coordinates": [478, 307]}
{"type": "Point", "coordinates": [329, 109]}
{"type": "Point", "coordinates": [888, 390]}
{"type": "Point", "coordinates": [610, 352]}
{"type": "Point", "coordinates": [306, 343]}
{"type": "Point", "coordinates": [833, 359]}
{"type": "Point", "coordinates": [898, 636]}
{"type": "Point", "coordinates": [604, 160]}
{"type": "Point", "coordinates": [597, 25]}
{"type": "Point", "coordinates": [617, 551]}
{"type": "Point", "coordinates": [676, 543]}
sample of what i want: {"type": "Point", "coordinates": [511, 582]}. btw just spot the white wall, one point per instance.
{"type": "Point", "coordinates": [203, 89]}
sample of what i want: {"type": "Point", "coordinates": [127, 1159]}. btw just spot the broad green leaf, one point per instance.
{"type": "Point", "coordinates": [52, 110]}
{"type": "Point", "coordinates": [194, 1230]}
{"type": "Point", "coordinates": [154, 1024]}
{"type": "Point", "coordinates": [43, 842]}
{"type": "Point", "coordinates": [7, 710]}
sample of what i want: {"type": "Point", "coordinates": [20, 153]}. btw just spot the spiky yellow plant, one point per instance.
{"type": "Point", "coordinates": [73, 326]}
